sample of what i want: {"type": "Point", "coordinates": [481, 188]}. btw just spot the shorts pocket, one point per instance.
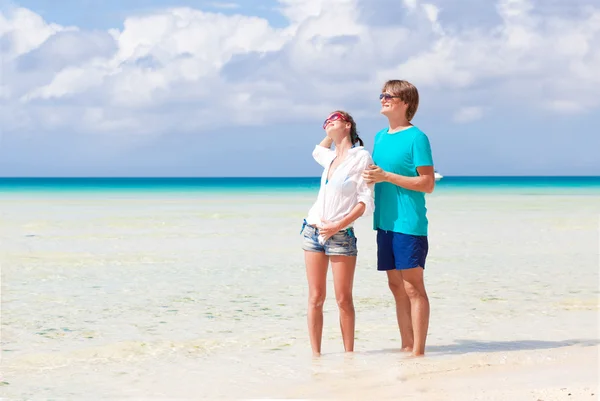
{"type": "Point", "coordinates": [340, 240]}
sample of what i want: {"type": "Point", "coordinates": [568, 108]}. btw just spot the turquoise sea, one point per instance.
{"type": "Point", "coordinates": [514, 185]}
{"type": "Point", "coordinates": [195, 288]}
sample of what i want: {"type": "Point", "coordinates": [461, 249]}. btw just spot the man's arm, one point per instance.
{"type": "Point", "coordinates": [424, 182]}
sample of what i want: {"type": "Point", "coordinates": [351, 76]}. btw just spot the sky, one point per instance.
{"type": "Point", "coordinates": [241, 88]}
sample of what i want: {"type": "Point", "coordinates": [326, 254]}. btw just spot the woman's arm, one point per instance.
{"type": "Point", "coordinates": [326, 142]}
{"type": "Point", "coordinates": [322, 152]}
{"type": "Point", "coordinates": [364, 196]}
{"type": "Point", "coordinates": [328, 228]}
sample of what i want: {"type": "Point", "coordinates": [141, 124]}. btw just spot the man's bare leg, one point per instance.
{"type": "Point", "coordinates": [415, 289]}
{"type": "Point", "coordinates": [403, 309]}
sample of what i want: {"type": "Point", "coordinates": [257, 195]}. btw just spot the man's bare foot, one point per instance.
{"type": "Point", "coordinates": [316, 354]}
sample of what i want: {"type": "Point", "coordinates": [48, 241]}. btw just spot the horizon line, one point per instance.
{"type": "Point", "coordinates": [276, 177]}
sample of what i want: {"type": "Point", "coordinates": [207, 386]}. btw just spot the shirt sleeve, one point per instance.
{"type": "Point", "coordinates": [365, 192]}
{"type": "Point", "coordinates": [422, 151]}
{"type": "Point", "coordinates": [323, 156]}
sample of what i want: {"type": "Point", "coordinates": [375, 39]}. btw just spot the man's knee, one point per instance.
{"type": "Point", "coordinates": [396, 285]}
{"type": "Point", "coordinates": [415, 289]}
{"type": "Point", "coordinates": [411, 291]}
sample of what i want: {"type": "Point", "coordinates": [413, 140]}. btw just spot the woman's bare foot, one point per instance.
{"type": "Point", "coordinates": [406, 349]}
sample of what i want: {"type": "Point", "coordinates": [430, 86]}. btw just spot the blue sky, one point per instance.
{"type": "Point", "coordinates": [107, 14]}
{"type": "Point", "coordinates": [240, 88]}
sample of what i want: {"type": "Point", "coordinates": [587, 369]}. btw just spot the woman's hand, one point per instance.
{"type": "Point", "coordinates": [328, 228]}
{"type": "Point", "coordinates": [374, 174]}
{"type": "Point", "coordinates": [326, 142]}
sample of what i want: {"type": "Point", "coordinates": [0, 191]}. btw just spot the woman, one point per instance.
{"type": "Point", "coordinates": [328, 234]}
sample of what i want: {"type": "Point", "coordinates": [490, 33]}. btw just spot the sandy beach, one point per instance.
{"type": "Point", "coordinates": [203, 296]}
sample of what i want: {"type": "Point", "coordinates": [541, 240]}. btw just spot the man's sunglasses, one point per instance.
{"type": "Point", "coordinates": [387, 96]}
{"type": "Point", "coordinates": [334, 117]}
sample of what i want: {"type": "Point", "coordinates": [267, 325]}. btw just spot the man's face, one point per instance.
{"type": "Point", "coordinates": [391, 104]}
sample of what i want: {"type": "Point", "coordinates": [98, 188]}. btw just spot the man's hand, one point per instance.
{"type": "Point", "coordinates": [327, 229]}
{"type": "Point", "coordinates": [424, 182]}
{"type": "Point", "coordinates": [374, 174]}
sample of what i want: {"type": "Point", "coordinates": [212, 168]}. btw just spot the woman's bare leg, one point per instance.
{"type": "Point", "coordinates": [316, 273]}
{"type": "Point", "coordinates": [343, 279]}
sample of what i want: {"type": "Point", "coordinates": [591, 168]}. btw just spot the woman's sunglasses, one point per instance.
{"type": "Point", "coordinates": [334, 117]}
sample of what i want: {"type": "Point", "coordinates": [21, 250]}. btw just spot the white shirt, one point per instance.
{"type": "Point", "coordinates": [345, 188]}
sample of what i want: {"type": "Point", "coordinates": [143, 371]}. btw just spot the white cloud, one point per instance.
{"type": "Point", "coordinates": [564, 106]}
{"type": "Point", "coordinates": [432, 12]}
{"type": "Point", "coordinates": [25, 31]}
{"type": "Point", "coordinates": [66, 82]}
{"type": "Point", "coordinates": [157, 52]}
{"type": "Point", "coordinates": [468, 114]}
{"type": "Point", "coordinates": [224, 5]}
{"type": "Point", "coordinates": [410, 4]}
{"type": "Point", "coordinates": [298, 11]}
{"type": "Point", "coordinates": [4, 92]}
{"type": "Point", "coordinates": [512, 9]}
{"type": "Point", "coordinates": [186, 69]}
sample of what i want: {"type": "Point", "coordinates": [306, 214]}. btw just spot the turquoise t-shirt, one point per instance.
{"type": "Point", "coordinates": [398, 209]}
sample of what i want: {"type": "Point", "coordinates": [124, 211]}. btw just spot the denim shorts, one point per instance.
{"type": "Point", "coordinates": [342, 243]}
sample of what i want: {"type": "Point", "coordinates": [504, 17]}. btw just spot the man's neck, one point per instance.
{"type": "Point", "coordinates": [398, 124]}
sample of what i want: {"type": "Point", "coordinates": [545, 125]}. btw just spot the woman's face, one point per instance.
{"type": "Point", "coordinates": [336, 125]}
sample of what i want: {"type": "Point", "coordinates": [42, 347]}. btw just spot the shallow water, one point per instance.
{"type": "Point", "coordinates": [204, 295]}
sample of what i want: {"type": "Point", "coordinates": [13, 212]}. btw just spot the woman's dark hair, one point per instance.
{"type": "Point", "coordinates": [354, 138]}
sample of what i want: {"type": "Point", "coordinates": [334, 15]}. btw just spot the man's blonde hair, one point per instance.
{"type": "Point", "coordinates": [407, 93]}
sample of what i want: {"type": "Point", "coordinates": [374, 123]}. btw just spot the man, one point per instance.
{"type": "Point", "coordinates": [403, 174]}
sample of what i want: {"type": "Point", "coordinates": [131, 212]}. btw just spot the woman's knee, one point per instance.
{"type": "Point", "coordinates": [345, 301]}
{"type": "Point", "coordinates": [316, 299]}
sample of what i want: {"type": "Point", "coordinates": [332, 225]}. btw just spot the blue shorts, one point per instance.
{"type": "Point", "coordinates": [397, 251]}
{"type": "Point", "coordinates": [342, 243]}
